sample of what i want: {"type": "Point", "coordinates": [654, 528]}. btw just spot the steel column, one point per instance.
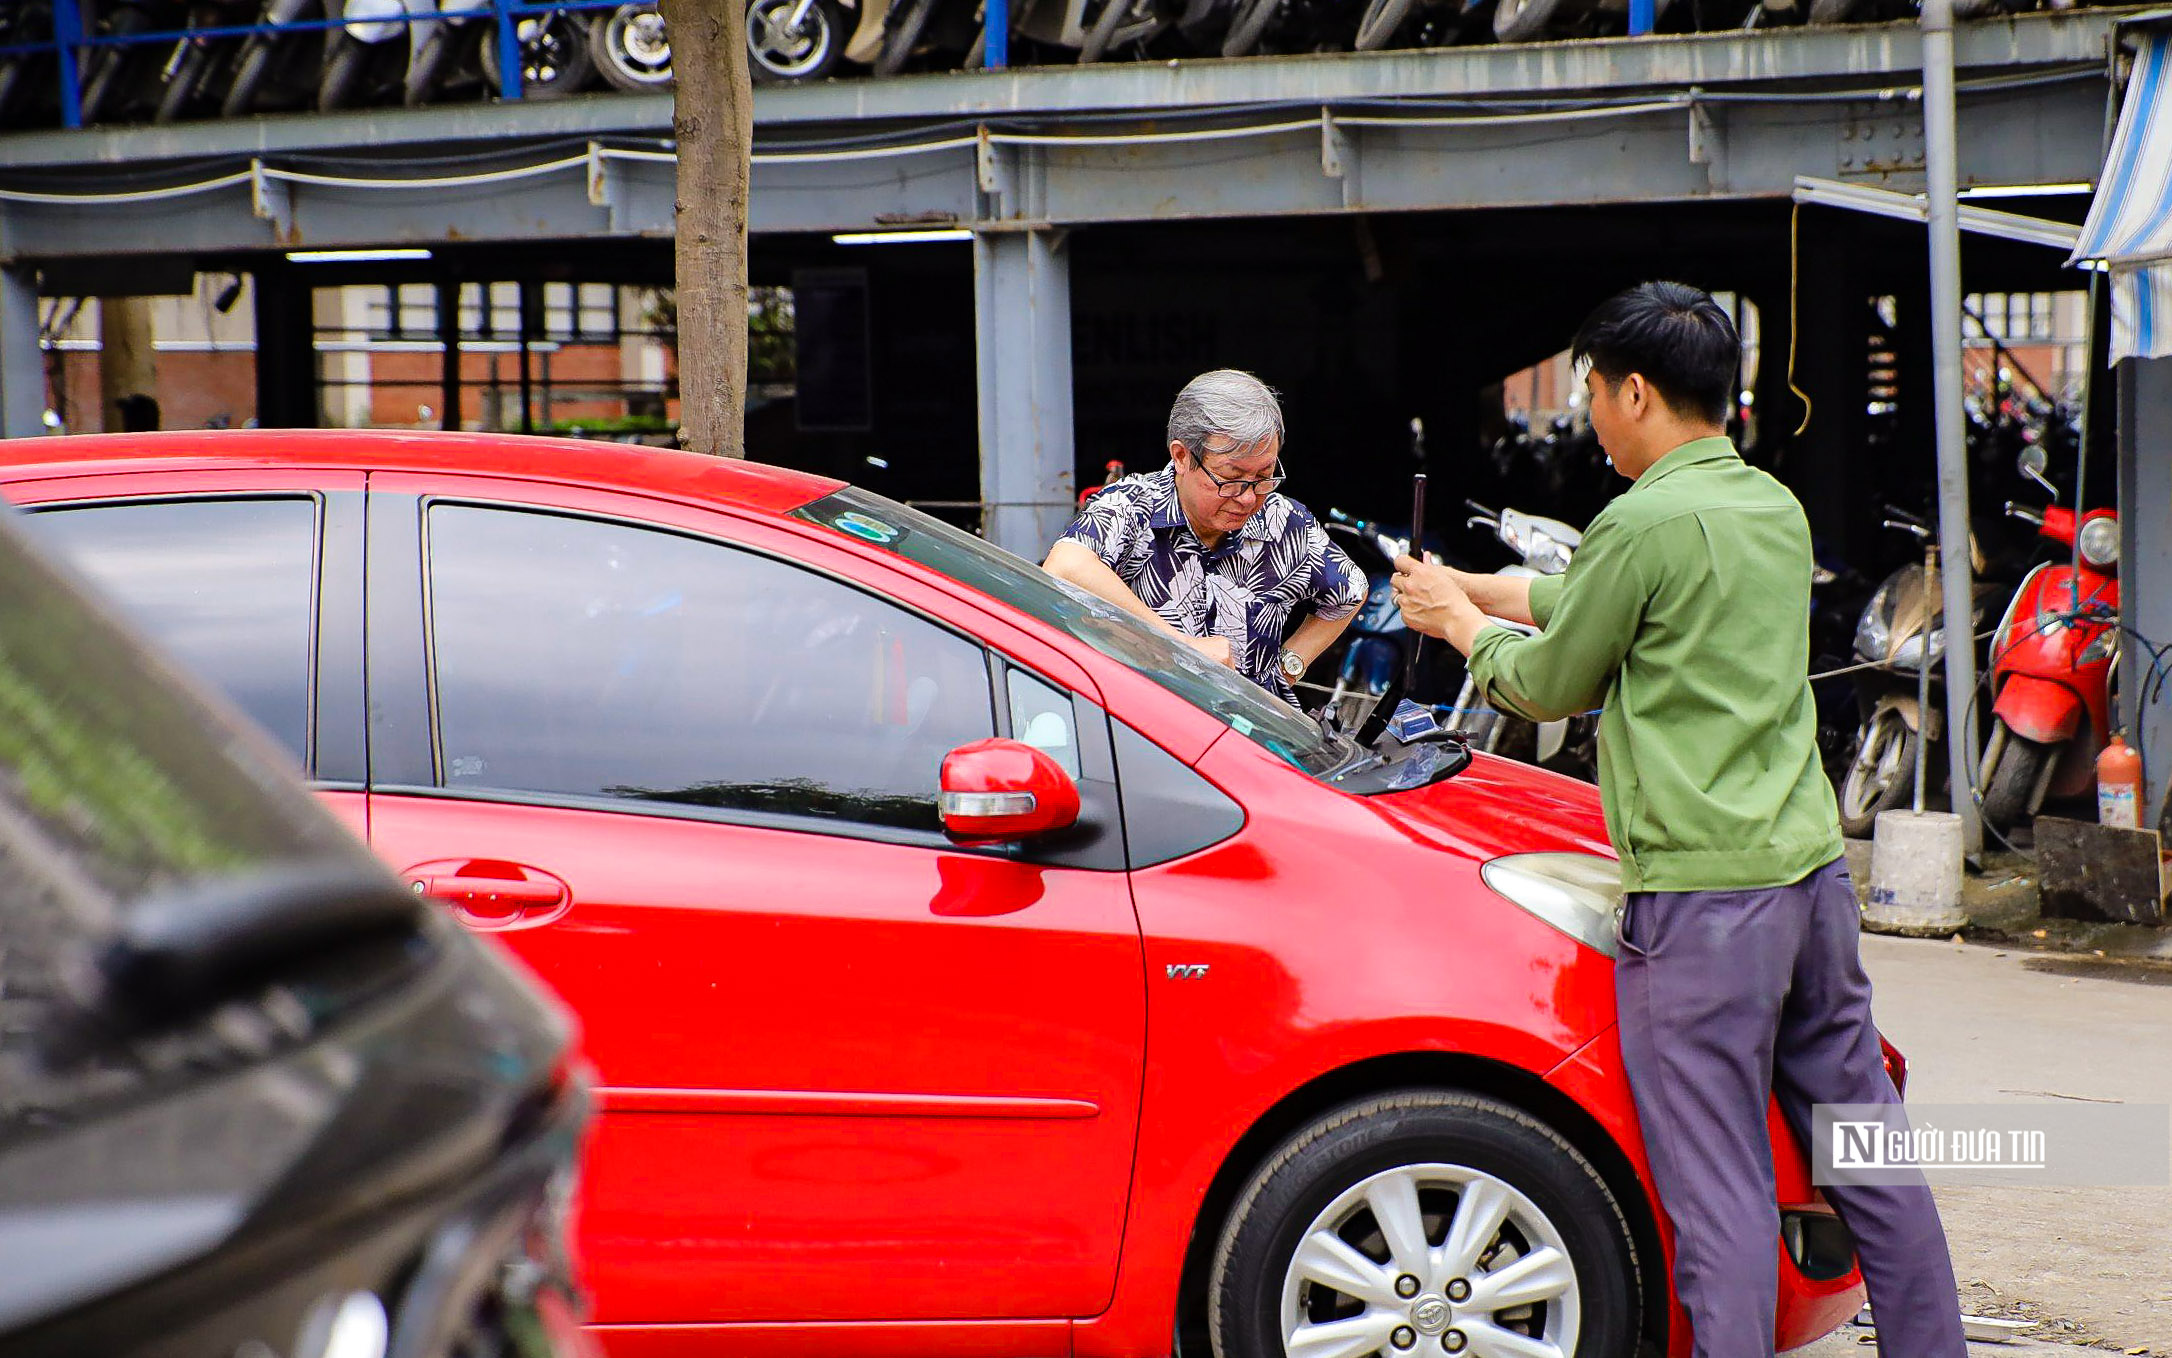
{"type": "Point", "coordinates": [2145, 568]}
{"type": "Point", "coordinates": [1022, 328]}
{"type": "Point", "coordinates": [1955, 575]}
{"type": "Point", "coordinates": [22, 361]}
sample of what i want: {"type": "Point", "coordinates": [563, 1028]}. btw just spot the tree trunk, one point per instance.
{"type": "Point", "coordinates": [713, 120]}
{"type": "Point", "coordinates": [127, 364]}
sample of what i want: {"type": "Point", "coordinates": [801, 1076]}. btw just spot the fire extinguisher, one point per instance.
{"type": "Point", "coordinates": [2119, 785]}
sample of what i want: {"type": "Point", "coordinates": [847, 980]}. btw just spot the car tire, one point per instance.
{"type": "Point", "coordinates": [1382, 20]}
{"type": "Point", "coordinates": [1305, 1246]}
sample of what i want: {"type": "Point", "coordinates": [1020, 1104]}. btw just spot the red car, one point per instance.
{"type": "Point", "coordinates": [968, 970]}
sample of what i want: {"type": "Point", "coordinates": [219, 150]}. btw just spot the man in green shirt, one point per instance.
{"type": "Point", "coordinates": [1685, 614]}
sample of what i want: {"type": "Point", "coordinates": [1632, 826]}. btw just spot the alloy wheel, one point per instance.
{"type": "Point", "coordinates": [1431, 1259]}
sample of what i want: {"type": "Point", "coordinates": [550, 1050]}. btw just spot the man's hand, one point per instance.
{"type": "Point", "coordinates": [1215, 649]}
{"type": "Point", "coordinates": [1433, 603]}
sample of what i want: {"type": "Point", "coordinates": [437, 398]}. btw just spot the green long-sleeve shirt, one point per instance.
{"type": "Point", "coordinates": [1686, 613]}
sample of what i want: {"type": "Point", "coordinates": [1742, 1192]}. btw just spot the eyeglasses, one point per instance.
{"type": "Point", "coordinates": [1264, 486]}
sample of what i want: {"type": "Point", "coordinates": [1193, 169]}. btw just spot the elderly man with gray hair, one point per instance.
{"type": "Point", "coordinates": [1206, 549]}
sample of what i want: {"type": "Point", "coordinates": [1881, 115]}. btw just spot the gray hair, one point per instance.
{"type": "Point", "coordinates": [1234, 404]}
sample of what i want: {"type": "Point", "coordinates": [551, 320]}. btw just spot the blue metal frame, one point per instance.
{"type": "Point", "coordinates": [70, 39]}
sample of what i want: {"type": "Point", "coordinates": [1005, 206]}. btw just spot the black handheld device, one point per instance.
{"type": "Point", "coordinates": [1417, 550]}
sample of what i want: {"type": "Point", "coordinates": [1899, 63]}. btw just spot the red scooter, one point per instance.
{"type": "Point", "coordinates": [2051, 664]}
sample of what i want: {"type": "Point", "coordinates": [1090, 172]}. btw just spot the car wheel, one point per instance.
{"type": "Point", "coordinates": [1425, 1222]}
{"type": "Point", "coordinates": [1881, 774]}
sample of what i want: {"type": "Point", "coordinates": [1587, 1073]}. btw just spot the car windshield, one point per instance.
{"type": "Point", "coordinates": [1221, 692]}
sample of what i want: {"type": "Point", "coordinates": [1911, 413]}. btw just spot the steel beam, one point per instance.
{"type": "Point", "coordinates": [1661, 152]}
{"type": "Point", "coordinates": [1526, 72]}
{"type": "Point", "coordinates": [1022, 330]}
{"type": "Point", "coordinates": [2145, 569]}
{"type": "Point", "coordinates": [22, 361]}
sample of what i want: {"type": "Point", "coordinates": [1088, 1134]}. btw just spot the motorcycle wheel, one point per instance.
{"type": "Point", "coordinates": [1525, 20]}
{"type": "Point", "coordinates": [1249, 27]}
{"type": "Point", "coordinates": [1835, 11]}
{"type": "Point", "coordinates": [109, 69]}
{"type": "Point", "coordinates": [2013, 777]}
{"type": "Point", "coordinates": [1099, 36]}
{"type": "Point", "coordinates": [1881, 774]}
{"type": "Point", "coordinates": [249, 73]}
{"type": "Point", "coordinates": [778, 54]}
{"type": "Point", "coordinates": [554, 60]}
{"type": "Point", "coordinates": [631, 48]}
{"type": "Point", "coordinates": [1383, 19]}
{"type": "Point", "coordinates": [180, 91]}
{"type": "Point", "coordinates": [421, 81]}
{"type": "Point", "coordinates": [344, 68]}
{"type": "Point", "coordinates": [901, 37]}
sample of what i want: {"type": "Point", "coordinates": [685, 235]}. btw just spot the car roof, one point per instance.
{"type": "Point", "coordinates": [729, 481]}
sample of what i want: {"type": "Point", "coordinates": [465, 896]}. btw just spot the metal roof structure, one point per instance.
{"type": "Point", "coordinates": [1660, 119]}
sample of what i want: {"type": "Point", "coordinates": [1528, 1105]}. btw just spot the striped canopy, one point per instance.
{"type": "Point", "coordinates": [2129, 229]}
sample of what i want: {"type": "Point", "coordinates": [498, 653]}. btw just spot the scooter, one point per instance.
{"type": "Point", "coordinates": [376, 35]}
{"type": "Point", "coordinates": [452, 41]}
{"type": "Point", "coordinates": [1904, 620]}
{"type": "Point", "coordinates": [2051, 663]}
{"type": "Point", "coordinates": [1374, 649]}
{"type": "Point", "coordinates": [265, 57]}
{"type": "Point", "coordinates": [193, 68]}
{"type": "Point", "coordinates": [1543, 547]}
{"type": "Point", "coordinates": [114, 74]}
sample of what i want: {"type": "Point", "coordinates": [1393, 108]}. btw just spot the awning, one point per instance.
{"type": "Point", "coordinates": [2129, 228]}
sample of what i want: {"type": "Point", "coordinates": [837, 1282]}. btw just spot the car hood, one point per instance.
{"type": "Point", "coordinates": [1498, 806]}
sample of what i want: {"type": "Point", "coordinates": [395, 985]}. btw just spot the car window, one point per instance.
{"type": "Point", "coordinates": [1041, 716]}
{"type": "Point", "coordinates": [227, 586]}
{"type": "Point", "coordinates": [1215, 689]}
{"type": "Point", "coordinates": [580, 658]}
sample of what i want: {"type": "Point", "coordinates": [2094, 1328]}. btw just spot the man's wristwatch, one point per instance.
{"type": "Point", "coordinates": [1293, 666]}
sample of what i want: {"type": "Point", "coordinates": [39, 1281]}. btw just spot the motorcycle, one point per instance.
{"type": "Point", "coordinates": [1904, 621]}
{"type": "Point", "coordinates": [2051, 663]}
{"type": "Point", "coordinates": [1543, 547]}
{"type": "Point", "coordinates": [115, 75]}
{"type": "Point", "coordinates": [23, 73]}
{"type": "Point", "coordinates": [448, 46]}
{"type": "Point", "coordinates": [192, 71]}
{"type": "Point", "coordinates": [630, 47]}
{"type": "Point", "coordinates": [375, 37]}
{"type": "Point", "coordinates": [1375, 648]}
{"type": "Point", "coordinates": [267, 58]}
{"type": "Point", "coordinates": [554, 53]}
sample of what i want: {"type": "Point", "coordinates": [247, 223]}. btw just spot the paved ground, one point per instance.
{"type": "Point", "coordinates": [1984, 1024]}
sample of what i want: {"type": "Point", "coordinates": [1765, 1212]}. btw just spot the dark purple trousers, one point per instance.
{"type": "Point", "coordinates": [1728, 997]}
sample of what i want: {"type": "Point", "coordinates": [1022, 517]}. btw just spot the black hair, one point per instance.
{"type": "Point", "coordinates": [1676, 336]}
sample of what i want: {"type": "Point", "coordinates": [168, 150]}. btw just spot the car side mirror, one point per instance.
{"type": "Point", "coordinates": [995, 791]}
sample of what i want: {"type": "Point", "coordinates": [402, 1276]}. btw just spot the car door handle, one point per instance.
{"type": "Point", "coordinates": [495, 898]}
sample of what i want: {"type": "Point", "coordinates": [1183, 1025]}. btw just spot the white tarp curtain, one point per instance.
{"type": "Point", "coordinates": [2129, 228]}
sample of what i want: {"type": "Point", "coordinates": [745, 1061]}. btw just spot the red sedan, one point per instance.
{"type": "Point", "coordinates": [968, 970]}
